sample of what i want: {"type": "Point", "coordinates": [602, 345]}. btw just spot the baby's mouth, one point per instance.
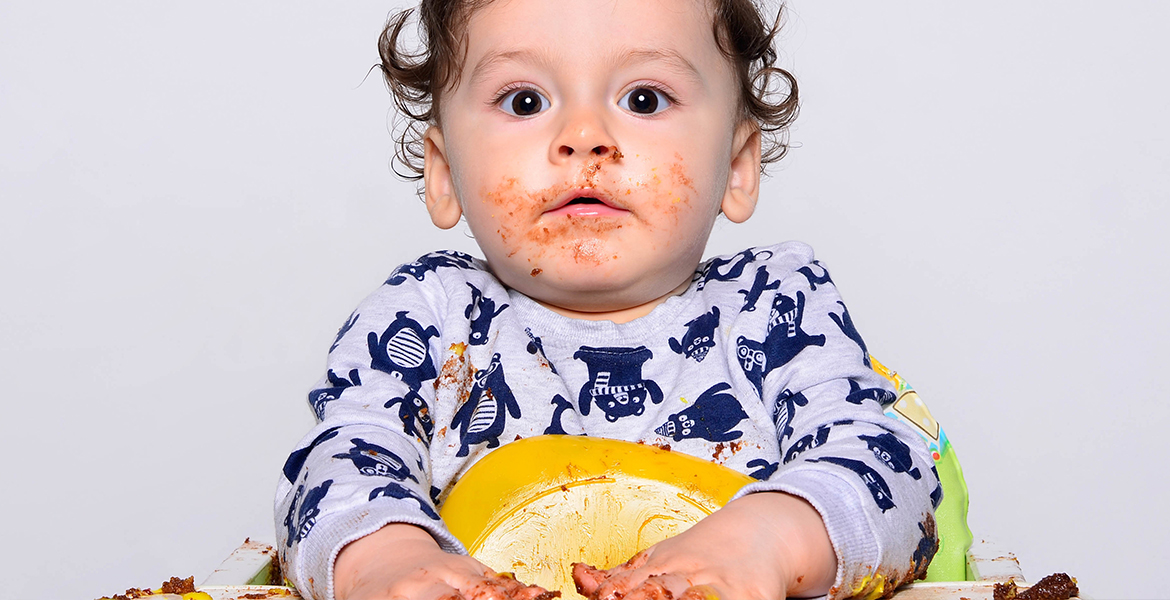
{"type": "Point", "coordinates": [585, 203]}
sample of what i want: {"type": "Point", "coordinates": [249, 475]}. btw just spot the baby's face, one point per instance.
{"type": "Point", "coordinates": [590, 145]}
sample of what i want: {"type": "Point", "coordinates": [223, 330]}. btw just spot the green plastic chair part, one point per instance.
{"type": "Point", "coordinates": [954, 537]}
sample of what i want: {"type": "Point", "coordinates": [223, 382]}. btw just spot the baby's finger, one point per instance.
{"type": "Point", "coordinates": [437, 591]}
{"type": "Point", "coordinates": [700, 592]}
{"type": "Point", "coordinates": [618, 585]}
{"type": "Point", "coordinates": [635, 562]}
{"type": "Point", "coordinates": [654, 588]}
{"type": "Point", "coordinates": [588, 578]}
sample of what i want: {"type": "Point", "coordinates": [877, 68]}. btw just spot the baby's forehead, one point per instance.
{"type": "Point", "coordinates": [676, 34]}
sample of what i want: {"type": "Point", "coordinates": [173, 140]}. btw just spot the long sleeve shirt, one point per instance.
{"type": "Point", "coordinates": [756, 366]}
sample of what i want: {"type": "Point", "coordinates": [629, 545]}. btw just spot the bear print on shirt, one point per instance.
{"type": "Point", "coordinates": [481, 311]}
{"type": "Point", "coordinates": [700, 336]}
{"type": "Point", "coordinates": [431, 262]}
{"type": "Point", "coordinates": [893, 452]}
{"type": "Point", "coordinates": [877, 486]}
{"type": "Point", "coordinates": [785, 339]}
{"type": "Point", "coordinates": [752, 360]}
{"type": "Point", "coordinates": [764, 469]}
{"type": "Point", "coordinates": [813, 279]}
{"type": "Point", "coordinates": [615, 381]}
{"type": "Point", "coordinates": [395, 490]}
{"type": "Point", "coordinates": [712, 417]}
{"type": "Point", "coordinates": [560, 406]}
{"type": "Point", "coordinates": [296, 460]}
{"type": "Point", "coordinates": [349, 323]}
{"type": "Point", "coordinates": [373, 460]}
{"type": "Point", "coordinates": [759, 286]}
{"type": "Point", "coordinates": [415, 416]}
{"type": "Point", "coordinates": [320, 397]}
{"type": "Point", "coordinates": [784, 410]}
{"type": "Point", "coordinates": [714, 269]}
{"type": "Point", "coordinates": [306, 514]}
{"type": "Point", "coordinates": [845, 322]}
{"type": "Point", "coordinates": [857, 395]}
{"type": "Point", "coordinates": [807, 442]}
{"type": "Point", "coordinates": [536, 348]}
{"type": "Point", "coordinates": [482, 416]}
{"type": "Point", "coordinates": [403, 351]}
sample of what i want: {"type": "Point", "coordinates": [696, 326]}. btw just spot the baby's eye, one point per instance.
{"type": "Point", "coordinates": [523, 102]}
{"type": "Point", "coordinates": [644, 101]}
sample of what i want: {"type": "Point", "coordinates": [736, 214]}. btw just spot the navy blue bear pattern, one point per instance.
{"type": "Point", "coordinates": [296, 460]}
{"type": "Point", "coordinates": [759, 285]}
{"type": "Point", "coordinates": [813, 279]}
{"type": "Point", "coordinates": [700, 336]}
{"type": "Point", "coordinates": [615, 381]}
{"type": "Point", "coordinates": [373, 460]}
{"type": "Point", "coordinates": [728, 269]}
{"type": "Point", "coordinates": [320, 397]}
{"type": "Point", "coordinates": [480, 312]}
{"type": "Point", "coordinates": [807, 442]}
{"type": "Point", "coordinates": [893, 452]}
{"type": "Point", "coordinates": [482, 417]}
{"type": "Point", "coordinates": [560, 406]}
{"type": "Point", "coordinates": [784, 410]}
{"type": "Point", "coordinates": [712, 417]}
{"type": "Point", "coordinates": [845, 322]}
{"type": "Point", "coordinates": [403, 352]}
{"type": "Point", "coordinates": [872, 480]}
{"type": "Point", "coordinates": [302, 513]}
{"type": "Point", "coordinates": [431, 263]}
{"type": "Point", "coordinates": [395, 490]}
{"type": "Point", "coordinates": [785, 339]}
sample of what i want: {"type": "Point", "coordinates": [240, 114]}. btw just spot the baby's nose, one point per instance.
{"type": "Point", "coordinates": [602, 151]}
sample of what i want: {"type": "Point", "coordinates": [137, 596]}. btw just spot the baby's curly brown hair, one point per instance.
{"type": "Point", "coordinates": [416, 78]}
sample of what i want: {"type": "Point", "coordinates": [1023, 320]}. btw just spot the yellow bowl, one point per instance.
{"type": "Point", "coordinates": [535, 506]}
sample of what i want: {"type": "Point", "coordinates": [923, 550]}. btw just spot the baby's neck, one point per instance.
{"type": "Point", "coordinates": [619, 315]}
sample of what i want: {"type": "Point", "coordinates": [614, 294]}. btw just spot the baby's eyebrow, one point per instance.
{"type": "Point", "coordinates": [670, 59]}
{"type": "Point", "coordinates": [493, 60]}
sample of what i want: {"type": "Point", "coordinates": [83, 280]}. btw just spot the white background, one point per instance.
{"type": "Point", "coordinates": [195, 195]}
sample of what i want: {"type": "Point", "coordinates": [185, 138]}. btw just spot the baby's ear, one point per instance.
{"type": "Point", "coordinates": [743, 178]}
{"type": "Point", "coordinates": [439, 188]}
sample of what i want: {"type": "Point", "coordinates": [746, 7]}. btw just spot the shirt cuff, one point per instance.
{"type": "Point", "coordinates": [847, 521]}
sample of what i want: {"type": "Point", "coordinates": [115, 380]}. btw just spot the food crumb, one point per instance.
{"type": "Point", "coordinates": [1058, 586]}
{"type": "Point", "coordinates": [179, 586]}
{"type": "Point", "coordinates": [536, 271]}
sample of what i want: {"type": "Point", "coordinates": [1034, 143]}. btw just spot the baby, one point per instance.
{"type": "Point", "coordinates": [590, 146]}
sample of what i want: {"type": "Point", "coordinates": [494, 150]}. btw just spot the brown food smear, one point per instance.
{"type": "Point", "coordinates": [1058, 586]}
{"type": "Point", "coordinates": [457, 374]}
{"type": "Point", "coordinates": [579, 236]}
{"type": "Point", "coordinates": [179, 586]}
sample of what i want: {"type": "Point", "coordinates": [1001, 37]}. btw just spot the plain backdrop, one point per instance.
{"type": "Point", "coordinates": [195, 195]}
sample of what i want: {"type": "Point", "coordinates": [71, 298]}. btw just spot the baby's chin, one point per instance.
{"type": "Point", "coordinates": [598, 294]}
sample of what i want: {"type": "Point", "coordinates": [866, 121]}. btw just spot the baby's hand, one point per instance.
{"type": "Point", "coordinates": [403, 561]}
{"type": "Point", "coordinates": [763, 546]}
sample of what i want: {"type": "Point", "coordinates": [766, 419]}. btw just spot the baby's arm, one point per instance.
{"type": "Point", "coordinates": [358, 489]}
{"type": "Point", "coordinates": [854, 493]}
{"type": "Point", "coordinates": [761, 546]}
{"type": "Point", "coordinates": [404, 561]}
